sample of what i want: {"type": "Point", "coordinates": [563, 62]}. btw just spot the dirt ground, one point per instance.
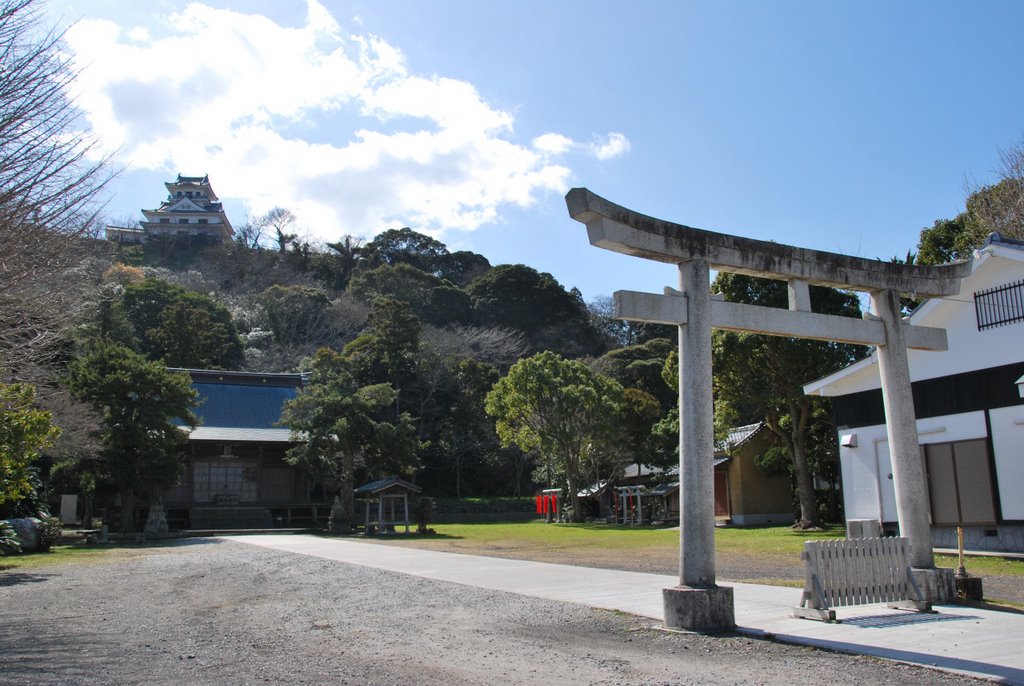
{"type": "Point", "coordinates": [208, 611]}
{"type": "Point", "coordinates": [785, 570]}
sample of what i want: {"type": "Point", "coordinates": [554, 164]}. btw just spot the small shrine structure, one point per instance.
{"type": "Point", "coordinates": [549, 504]}
{"type": "Point", "coordinates": [391, 497]}
{"type": "Point", "coordinates": [629, 504]}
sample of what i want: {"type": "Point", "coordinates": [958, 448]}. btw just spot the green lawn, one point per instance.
{"type": "Point", "coordinates": [984, 565]}
{"type": "Point", "coordinates": [780, 540]}
{"type": "Point", "coordinates": [78, 554]}
{"type": "Point", "coordinates": [57, 555]}
{"type": "Point", "coordinates": [534, 533]}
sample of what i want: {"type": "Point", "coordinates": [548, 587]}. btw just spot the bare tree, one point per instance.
{"type": "Point", "coordinates": [49, 186]}
{"type": "Point", "coordinates": [1000, 207]}
{"type": "Point", "coordinates": [77, 422]}
{"type": "Point", "coordinates": [251, 233]}
{"type": "Point", "coordinates": [493, 345]}
{"type": "Point", "coordinates": [279, 220]}
{"type": "Point", "coordinates": [997, 207]}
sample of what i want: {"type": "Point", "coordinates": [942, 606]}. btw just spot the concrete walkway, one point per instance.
{"type": "Point", "coordinates": [981, 643]}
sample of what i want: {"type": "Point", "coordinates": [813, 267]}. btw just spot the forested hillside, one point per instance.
{"type": "Point", "coordinates": [439, 327]}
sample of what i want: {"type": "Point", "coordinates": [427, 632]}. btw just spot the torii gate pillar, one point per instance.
{"type": "Point", "coordinates": [698, 604]}
{"type": "Point", "coordinates": [909, 480]}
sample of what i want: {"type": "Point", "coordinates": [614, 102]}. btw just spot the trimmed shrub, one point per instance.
{"type": "Point", "coordinates": [423, 510]}
{"type": "Point", "coordinates": [49, 532]}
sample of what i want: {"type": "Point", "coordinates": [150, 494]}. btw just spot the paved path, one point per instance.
{"type": "Point", "coordinates": [958, 639]}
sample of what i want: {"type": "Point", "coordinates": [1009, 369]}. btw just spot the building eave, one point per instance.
{"type": "Point", "coordinates": [228, 434]}
{"type": "Point", "coordinates": [820, 386]}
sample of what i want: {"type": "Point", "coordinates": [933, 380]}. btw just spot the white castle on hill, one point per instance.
{"type": "Point", "coordinates": [192, 211]}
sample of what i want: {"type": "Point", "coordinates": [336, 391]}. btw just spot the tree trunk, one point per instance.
{"type": "Point", "coordinates": [574, 491]}
{"type": "Point", "coordinates": [519, 466]}
{"type": "Point", "coordinates": [127, 511]}
{"type": "Point", "coordinates": [87, 511]}
{"type": "Point", "coordinates": [458, 477]}
{"type": "Point", "coordinates": [348, 497]}
{"type": "Point", "coordinates": [804, 481]}
{"type": "Point", "coordinates": [574, 498]}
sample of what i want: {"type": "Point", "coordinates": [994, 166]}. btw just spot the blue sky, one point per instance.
{"type": "Point", "coordinates": [845, 127]}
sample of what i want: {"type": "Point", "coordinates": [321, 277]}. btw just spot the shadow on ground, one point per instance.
{"type": "Point", "coordinates": [14, 578]}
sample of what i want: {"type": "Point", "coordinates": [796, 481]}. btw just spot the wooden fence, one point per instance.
{"type": "Point", "coordinates": [857, 571]}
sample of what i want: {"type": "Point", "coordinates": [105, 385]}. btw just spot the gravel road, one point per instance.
{"type": "Point", "coordinates": [208, 611]}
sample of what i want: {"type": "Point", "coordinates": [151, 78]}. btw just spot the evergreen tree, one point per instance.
{"type": "Point", "coordinates": [25, 431]}
{"type": "Point", "coordinates": [340, 425]}
{"type": "Point", "coordinates": [141, 402]}
{"type": "Point", "coordinates": [561, 410]}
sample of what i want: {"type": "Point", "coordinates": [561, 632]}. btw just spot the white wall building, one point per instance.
{"type": "Point", "coordinates": [969, 403]}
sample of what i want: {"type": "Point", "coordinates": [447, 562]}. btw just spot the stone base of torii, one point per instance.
{"type": "Point", "coordinates": [698, 603]}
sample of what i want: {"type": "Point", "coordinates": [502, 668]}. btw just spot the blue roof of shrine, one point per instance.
{"type": "Point", "coordinates": [242, 406]}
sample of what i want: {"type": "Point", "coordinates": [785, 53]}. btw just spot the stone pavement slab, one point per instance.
{"type": "Point", "coordinates": [982, 643]}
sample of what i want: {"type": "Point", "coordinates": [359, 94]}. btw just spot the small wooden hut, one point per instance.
{"type": "Point", "coordinates": [391, 497]}
{"type": "Point", "coordinates": [597, 501]}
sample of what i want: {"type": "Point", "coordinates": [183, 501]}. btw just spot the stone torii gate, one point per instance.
{"type": "Point", "coordinates": [698, 603]}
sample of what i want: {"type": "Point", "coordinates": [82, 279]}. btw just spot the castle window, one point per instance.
{"type": "Point", "coordinates": [204, 221]}
{"type": "Point", "coordinates": [183, 221]}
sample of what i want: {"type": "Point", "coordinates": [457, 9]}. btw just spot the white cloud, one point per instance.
{"type": "Point", "coordinates": [614, 145]}
{"type": "Point", "coordinates": [332, 126]}
{"type": "Point", "coordinates": [553, 143]}
{"type": "Point", "coordinates": [139, 33]}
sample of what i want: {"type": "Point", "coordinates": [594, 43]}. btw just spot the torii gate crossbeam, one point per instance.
{"type": "Point", "coordinates": [698, 603]}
